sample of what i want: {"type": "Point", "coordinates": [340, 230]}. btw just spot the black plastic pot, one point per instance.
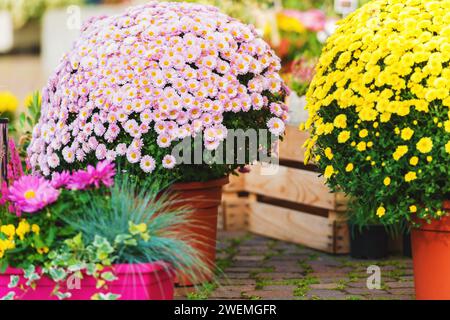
{"type": "Point", "coordinates": [368, 242]}
{"type": "Point", "coordinates": [407, 250]}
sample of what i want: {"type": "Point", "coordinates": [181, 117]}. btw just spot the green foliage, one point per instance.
{"type": "Point", "coordinates": [27, 120]}
{"type": "Point", "coordinates": [138, 225]}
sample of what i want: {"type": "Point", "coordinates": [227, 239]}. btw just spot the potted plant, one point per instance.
{"type": "Point", "coordinates": [380, 125]}
{"type": "Point", "coordinates": [137, 85]}
{"type": "Point", "coordinates": [90, 234]}
{"type": "Point", "coordinates": [368, 237]}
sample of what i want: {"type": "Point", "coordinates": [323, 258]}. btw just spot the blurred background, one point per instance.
{"type": "Point", "coordinates": [34, 34]}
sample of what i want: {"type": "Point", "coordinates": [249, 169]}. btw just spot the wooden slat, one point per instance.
{"type": "Point", "coordinates": [291, 147]}
{"type": "Point", "coordinates": [290, 225]}
{"type": "Point", "coordinates": [342, 236]}
{"type": "Point", "coordinates": [296, 185]}
{"type": "Point", "coordinates": [235, 214]}
{"type": "Point", "coordinates": [237, 183]}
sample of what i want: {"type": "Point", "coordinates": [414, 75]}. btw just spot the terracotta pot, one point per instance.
{"type": "Point", "coordinates": [431, 258]}
{"type": "Point", "coordinates": [147, 281]}
{"type": "Point", "coordinates": [204, 198]}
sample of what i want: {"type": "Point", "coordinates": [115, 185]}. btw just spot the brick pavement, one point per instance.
{"type": "Point", "coordinates": [256, 267]}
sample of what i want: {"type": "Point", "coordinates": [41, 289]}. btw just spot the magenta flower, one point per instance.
{"type": "Point", "coordinates": [4, 193]}
{"type": "Point", "coordinates": [103, 173]}
{"type": "Point", "coordinates": [60, 179]}
{"type": "Point", "coordinates": [32, 193]}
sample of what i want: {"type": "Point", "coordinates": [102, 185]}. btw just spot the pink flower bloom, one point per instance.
{"type": "Point", "coordinates": [121, 149]}
{"type": "Point", "coordinates": [169, 162]}
{"type": "Point", "coordinates": [133, 155]}
{"type": "Point", "coordinates": [168, 63]}
{"type": "Point", "coordinates": [164, 141]}
{"type": "Point", "coordinates": [103, 173]}
{"type": "Point", "coordinates": [276, 126]}
{"type": "Point", "coordinates": [60, 179]}
{"type": "Point", "coordinates": [32, 193]}
{"type": "Point", "coordinates": [147, 164]}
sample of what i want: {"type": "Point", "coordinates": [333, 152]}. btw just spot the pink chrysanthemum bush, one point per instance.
{"type": "Point", "coordinates": [138, 83]}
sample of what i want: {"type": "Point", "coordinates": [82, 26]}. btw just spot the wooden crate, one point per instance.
{"type": "Point", "coordinates": [293, 204]}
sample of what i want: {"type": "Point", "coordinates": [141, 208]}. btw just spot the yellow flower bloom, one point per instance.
{"type": "Point", "coordinates": [35, 229]}
{"type": "Point", "coordinates": [328, 153]}
{"type": "Point", "coordinates": [8, 102]}
{"type": "Point", "coordinates": [22, 229]}
{"type": "Point", "coordinates": [361, 146]}
{"type": "Point", "coordinates": [447, 147]}
{"type": "Point", "coordinates": [43, 250]}
{"type": "Point", "coordinates": [381, 211]}
{"type": "Point", "coordinates": [410, 176]}
{"type": "Point", "coordinates": [329, 171]}
{"type": "Point", "coordinates": [424, 145]}
{"type": "Point", "coordinates": [447, 126]}
{"type": "Point", "coordinates": [363, 133]}
{"type": "Point", "coordinates": [407, 133]}
{"type": "Point", "coordinates": [8, 230]}
{"type": "Point", "coordinates": [349, 167]}
{"type": "Point", "coordinates": [340, 121]}
{"type": "Point", "coordinates": [400, 152]}
{"type": "Point", "coordinates": [413, 209]}
{"type": "Point", "coordinates": [387, 181]}
{"type": "Point", "coordinates": [413, 161]}
{"type": "Point", "coordinates": [343, 136]}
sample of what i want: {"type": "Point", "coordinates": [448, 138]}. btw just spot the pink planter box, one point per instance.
{"type": "Point", "coordinates": [150, 281]}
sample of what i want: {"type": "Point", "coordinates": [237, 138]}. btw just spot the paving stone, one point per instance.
{"type": "Point", "coordinates": [357, 284]}
{"type": "Point", "coordinates": [392, 297]}
{"type": "Point", "coordinates": [326, 261]}
{"type": "Point", "coordinates": [355, 297]}
{"type": "Point", "coordinates": [230, 282]}
{"type": "Point", "coordinates": [242, 269]}
{"type": "Point", "coordinates": [331, 279]}
{"type": "Point", "coordinates": [326, 294]}
{"type": "Point", "coordinates": [327, 286]}
{"type": "Point", "coordinates": [400, 284]}
{"type": "Point", "coordinates": [402, 291]}
{"type": "Point", "coordinates": [280, 275]}
{"type": "Point", "coordinates": [183, 291]}
{"type": "Point", "coordinates": [289, 269]}
{"type": "Point", "coordinates": [271, 294]}
{"type": "Point", "coordinates": [291, 257]}
{"type": "Point", "coordinates": [243, 275]}
{"type": "Point", "coordinates": [225, 294]}
{"type": "Point", "coordinates": [252, 249]}
{"type": "Point", "coordinates": [364, 291]}
{"type": "Point", "coordinates": [263, 258]}
{"type": "Point", "coordinates": [330, 274]}
{"type": "Point", "coordinates": [248, 258]}
{"type": "Point", "coordinates": [280, 288]}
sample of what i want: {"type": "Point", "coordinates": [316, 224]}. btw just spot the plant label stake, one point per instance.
{"type": "Point", "coordinates": [3, 149]}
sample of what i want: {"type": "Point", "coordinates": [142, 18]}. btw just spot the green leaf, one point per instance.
{"type": "Point", "coordinates": [9, 296]}
{"type": "Point", "coordinates": [121, 238]}
{"type": "Point", "coordinates": [108, 276]}
{"type": "Point", "coordinates": [3, 265]}
{"type": "Point", "coordinates": [13, 282]}
{"type": "Point", "coordinates": [22, 118]}
{"type": "Point", "coordinates": [58, 274]}
{"type": "Point", "coordinates": [63, 295]}
{"type": "Point", "coordinates": [106, 296]}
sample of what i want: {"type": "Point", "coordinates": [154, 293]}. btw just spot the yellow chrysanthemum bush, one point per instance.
{"type": "Point", "coordinates": [380, 110]}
